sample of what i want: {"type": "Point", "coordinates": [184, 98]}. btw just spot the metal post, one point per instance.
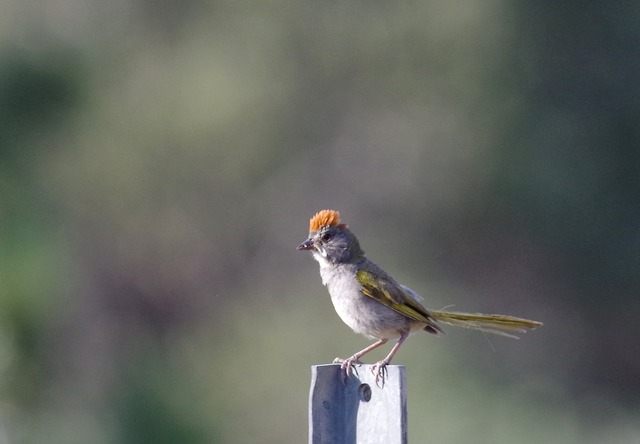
{"type": "Point", "coordinates": [354, 410]}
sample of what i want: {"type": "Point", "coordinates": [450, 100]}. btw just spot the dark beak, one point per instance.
{"type": "Point", "coordinates": [306, 245]}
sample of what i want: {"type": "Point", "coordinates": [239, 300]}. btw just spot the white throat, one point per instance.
{"type": "Point", "coordinates": [321, 257]}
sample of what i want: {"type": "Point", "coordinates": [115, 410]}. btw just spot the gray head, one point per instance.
{"type": "Point", "coordinates": [330, 240]}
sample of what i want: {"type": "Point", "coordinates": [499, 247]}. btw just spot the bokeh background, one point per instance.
{"type": "Point", "coordinates": [159, 162]}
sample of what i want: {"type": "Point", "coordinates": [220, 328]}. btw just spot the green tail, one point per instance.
{"type": "Point", "coordinates": [491, 323]}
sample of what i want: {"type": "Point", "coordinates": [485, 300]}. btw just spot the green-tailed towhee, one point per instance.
{"type": "Point", "coordinates": [372, 303]}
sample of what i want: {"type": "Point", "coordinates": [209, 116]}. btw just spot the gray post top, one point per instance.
{"type": "Point", "coordinates": [354, 410]}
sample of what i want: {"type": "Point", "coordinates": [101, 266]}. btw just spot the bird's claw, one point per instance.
{"type": "Point", "coordinates": [347, 366]}
{"type": "Point", "coordinates": [379, 370]}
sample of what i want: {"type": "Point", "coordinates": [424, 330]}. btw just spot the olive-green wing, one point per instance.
{"type": "Point", "coordinates": [380, 289]}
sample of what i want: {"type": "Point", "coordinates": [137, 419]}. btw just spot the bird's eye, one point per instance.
{"type": "Point", "coordinates": [326, 236]}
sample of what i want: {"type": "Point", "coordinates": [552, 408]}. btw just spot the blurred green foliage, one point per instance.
{"type": "Point", "coordinates": [159, 163]}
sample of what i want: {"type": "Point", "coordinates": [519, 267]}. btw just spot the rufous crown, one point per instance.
{"type": "Point", "coordinates": [325, 218]}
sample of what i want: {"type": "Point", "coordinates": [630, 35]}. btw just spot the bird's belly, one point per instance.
{"type": "Point", "coordinates": [363, 314]}
{"type": "Point", "coordinates": [369, 317]}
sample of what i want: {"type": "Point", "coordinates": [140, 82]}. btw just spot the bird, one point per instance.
{"type": "Point", "coordinates": [374, 304]}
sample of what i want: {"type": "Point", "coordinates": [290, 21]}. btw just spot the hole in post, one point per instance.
{"type": "Point", "coordinates": [364, 391]}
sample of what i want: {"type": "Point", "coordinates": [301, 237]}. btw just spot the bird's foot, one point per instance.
{"type": "Point", "coordinates": [379, 370]}
{"type": "Point", "coordinates": [347, 366]}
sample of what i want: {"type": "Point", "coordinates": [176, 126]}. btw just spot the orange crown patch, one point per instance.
{"type": "Point", "coordinates": [325, 218]}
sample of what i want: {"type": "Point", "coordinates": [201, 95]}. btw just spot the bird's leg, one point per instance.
{"type": "Point", "coordinates": [380, 369]}
{"type": "Point", "coordinates": [347, 364]}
